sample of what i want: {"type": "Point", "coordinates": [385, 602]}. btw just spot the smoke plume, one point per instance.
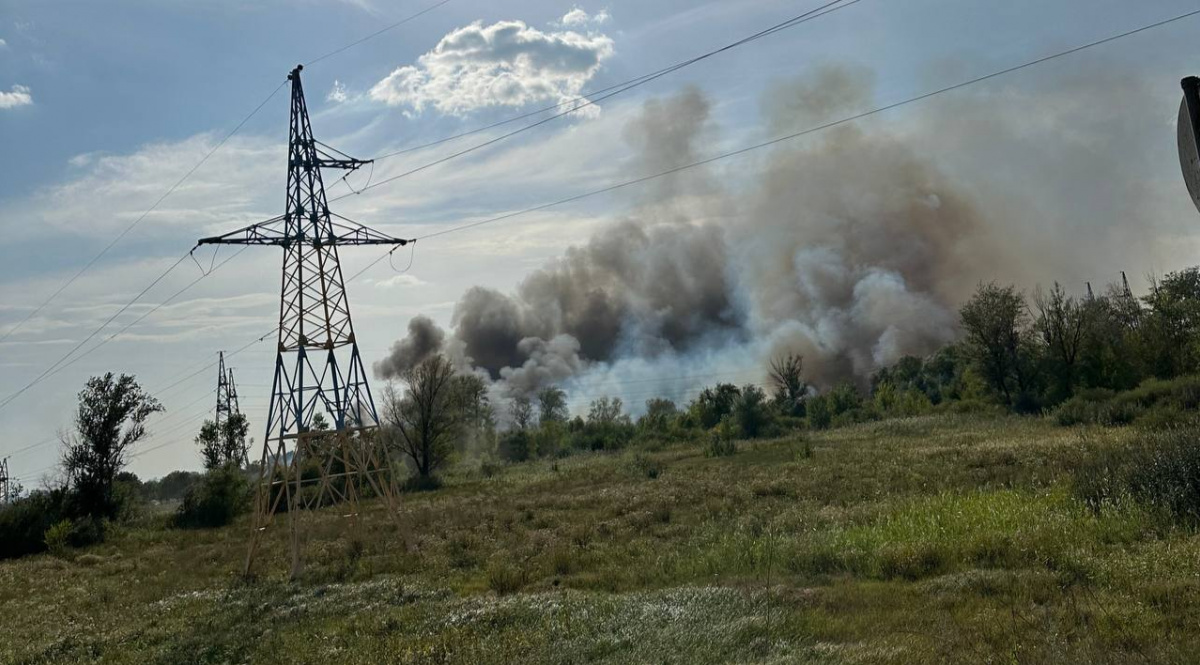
{"type": "Point", "coordinates": [424, 339]}
{"type": "Point", "coordinates": [850, 247]}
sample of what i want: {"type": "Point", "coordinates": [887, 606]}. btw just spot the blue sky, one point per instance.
{"type": "Point", "coordinates": [104, 105]}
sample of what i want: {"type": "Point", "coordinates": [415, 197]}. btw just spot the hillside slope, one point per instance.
{"type": "Point", "coordinates": [938, 539]}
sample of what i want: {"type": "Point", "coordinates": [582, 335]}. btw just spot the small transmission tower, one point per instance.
{"type": "Point", "coordinates": [318, 369]}
{"type": "Point", "coordinates": [227, 404]}
{"type": "Point", "coordinates": [5, 482]}
{"type": "Point", "coordinates": [224, 407]}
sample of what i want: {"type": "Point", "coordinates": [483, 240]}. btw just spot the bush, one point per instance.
{"type": "Point", "coordinates": [715, 403]}
{"type": "Point", "coordinates": [752, 412]}
{"type": "Point", "coordinates": [720, 441]}
{"type": "Point", "coordinates": [818, 412]}
{"type": "Point", "coordinates": [57, 539]}
{"type": "Point", "coordinates": [23, 523]}
{"type": "Point", "coordinates": [419, 483]}
{"type": "Point", "coordinates": [1080, 410]}
{"type": "Point", "coordinates": [515, 445]}
{"type": "Point", "coordinates": [220, 496]}
{"type": "Point", "coordinates": [1161, 469]}
{"type": "Point", "coordinates": [644, 466]}
{"type": "Point", "coordinates": [504, 579]}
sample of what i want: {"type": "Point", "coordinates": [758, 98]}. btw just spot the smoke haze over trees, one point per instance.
{"type": "Point", "coordinates": [853, 248]}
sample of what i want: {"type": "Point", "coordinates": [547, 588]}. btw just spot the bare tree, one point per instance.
{"type": "Point", "coordinates": [1062, 323]}
{"type": "Point", "coordinates": [426, 419]}
{"type": "Point", "coordinates": [111, 419]}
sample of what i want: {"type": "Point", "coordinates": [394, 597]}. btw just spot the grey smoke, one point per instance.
{"type": "Point", "coordinates": [423, 340]}
{"type": "Point", "coordinates": [851, 247]}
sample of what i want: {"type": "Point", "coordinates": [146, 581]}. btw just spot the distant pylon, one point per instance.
{"type": "Point", "coordinates": [223, 405]}
{"type": "Point", "coordinates": [5, 482]}
{"type": "Point", "coordinates": [227, 404]}
{"type": "Point", "coordinates": [318, 369]}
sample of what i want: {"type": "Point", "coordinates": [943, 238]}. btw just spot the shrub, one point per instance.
{"type": "Point", "coordinates": [752, 413]}
{"type": "Point", "coordinates": [419, 483]}
{"type": "Point", "coordinates": [220, 496]}
{"type": "Point", "coordinates": [504, 579]}
{"type": "Point", "coordinates": [720, 441]}
{"type": "Point", "coordinates": [818, 412]}
{"type": "Point", "coordinates": [1165, 472]}
{"type": "Point", "coordinates": [23, 523]}
{"type": "Point", "coordinates": [1161, 469]}
{"type": "Point", "coordinates": [1082, 411]}
{"type": "Point", "coordinates": [644, 466]}
{"type": "Point", "coordinates": [715, 403]}
{"type": "Point", "coordinates": [58, 538]}
{"type": "Point", "coordinates": [515, 445]}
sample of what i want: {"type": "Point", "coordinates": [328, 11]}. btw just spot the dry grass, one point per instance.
{"type": "Point", "coordinates": [937, 539]}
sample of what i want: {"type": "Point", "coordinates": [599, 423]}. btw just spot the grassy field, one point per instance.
{"type": "Point", "coordinates": [935, 539]}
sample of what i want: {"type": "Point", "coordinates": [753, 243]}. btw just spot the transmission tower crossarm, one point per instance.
{"type": "Point", "coordinates": [271, 232]}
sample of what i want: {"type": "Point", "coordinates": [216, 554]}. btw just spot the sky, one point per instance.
{"type": "Point", "coordinates": [105, 106]}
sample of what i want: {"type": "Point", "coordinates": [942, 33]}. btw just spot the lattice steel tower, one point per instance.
{"type": "Point", "coordinates": [5, 481]}
{"type": "Point", "coordinates": [318, 368]}
{"type": "Point", "coordinates": [227, 404]}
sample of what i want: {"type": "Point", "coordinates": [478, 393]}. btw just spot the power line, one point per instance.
{"type": "Point", "coordinates": [139, 219]}
{"type": "Point", "coordinates": [375, 34]}
{"type": "Point", "coordinates": [788, 137]}
{"type": "Point", "coordinates": [8, 333]}
{"type": "Point", "coordinates": [95, 332]}
{"type": "Point", "coordinates": [56, 369]}
{"type": "Point", "coordinates": [827, 8]}
{"type": "Point", "coordinates": [813, 130]}
{"type": "Point", "coordinates": [586, 95]}
{"type": "Point", "coordinates": [823, 10]}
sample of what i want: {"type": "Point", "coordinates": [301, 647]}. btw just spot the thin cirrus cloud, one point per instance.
{"type": "Point", "coordinates": [507, 63]}
{"type": "Point", "coordinates": [20, 95]}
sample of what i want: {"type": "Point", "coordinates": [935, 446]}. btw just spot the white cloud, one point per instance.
{"type": "Point", "coordinates": [578, 18]}
{"type": "Point", "coordinates": [3, 43]}
{"type": "Point", "coordinates": [504, 64]}
{"type": "Point", "coordinates": [20, 96]}
{"type": "Point", "coordinates": [338, 93]}
{"type": "Point", "coordinates": [398, 280]}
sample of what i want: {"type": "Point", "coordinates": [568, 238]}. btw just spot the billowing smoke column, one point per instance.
{"type": "Point", "coordinates": [849, 249]}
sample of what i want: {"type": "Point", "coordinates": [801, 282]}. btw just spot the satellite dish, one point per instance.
{"type": "Point", "coordinates": [1189, 122]}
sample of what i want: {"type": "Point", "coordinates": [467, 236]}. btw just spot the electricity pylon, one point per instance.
{"type": "Point", "coordinates": [227, 405]}
{"type": "Point", "coordinates": [318, 369]}
{"type": "Point", "coordinates": [5, 481]}
{"type": "Point", "coordinates": [223, 405]}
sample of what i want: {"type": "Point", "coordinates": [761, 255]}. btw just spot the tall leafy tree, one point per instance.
{"type": "Point", "coordinates": [111, 418]}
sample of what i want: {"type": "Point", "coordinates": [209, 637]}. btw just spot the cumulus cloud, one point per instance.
{"type": "Point", "coordinates": [578, 18]}
{"type": "Point", "coordinates": [19, 96]}
{"type": "Point", "coordinates": [507, 63]}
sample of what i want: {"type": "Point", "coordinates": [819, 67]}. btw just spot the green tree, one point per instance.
{"type": "Point", "coordinates": [751, 412]}
{"type": "Point", "coordinates": [790, 389]}
{"type": "Point", "coordinates": [1062, 324]}
{"type": "Point", "coordinates": [715, 403]}
{"type": "Point", "coordinates": [552, 405]}
{"type": "Point", "coordinates": [224, 444]}
{"type": "Point", "coordinates": [521, 411]}
{"type": "Point", "coordinates": [996, 322]}
{"type": "Point", "coordinates": [111, 418]}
